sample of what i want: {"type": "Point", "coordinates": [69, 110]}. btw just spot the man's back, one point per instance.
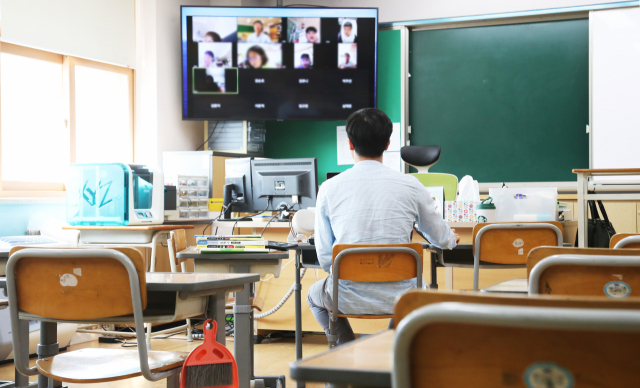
{"type": "Point", "coordinates": [372, 204]}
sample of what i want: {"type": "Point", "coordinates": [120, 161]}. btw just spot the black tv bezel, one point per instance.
{"type": "Point", "coordinates": [375, 83]}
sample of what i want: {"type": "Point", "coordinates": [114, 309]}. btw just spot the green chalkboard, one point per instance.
{"type": "Point", "coordinates": [317, 139]}
{"type": "Point", "coordinates": [506, 103]}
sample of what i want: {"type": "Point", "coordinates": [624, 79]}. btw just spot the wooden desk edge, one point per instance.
{"type": "Point", "coordinates": [606, 171]}
{"type": "Point", "coordinates": [130, 228]}
{"type": "Point", "coordinates": [345, 347]}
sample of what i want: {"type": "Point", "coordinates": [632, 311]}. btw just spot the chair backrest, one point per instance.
{"type": "Point", "coordinates": [413, 300]}
{"type": "Point", "coordinates": [76, 283]}
{"type": "Point", "coordinates": [377, 263]}
{"type": "Point", "coordinates": [510, 243]}
{"type": "Point", "coordinates": [615, 276]}
{"type": "Point", "coordinates": [538, 254]}
{"type": "Point", "coordinates": [448, 181]}
{"type": "Point", "coordinates": [625, 240]}
{"type": "Point", "coordinates": [460, 345]}
{"type": "Point", "coordinates": [177, 242]}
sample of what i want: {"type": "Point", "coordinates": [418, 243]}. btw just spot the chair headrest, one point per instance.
{"type": "Point", "coordinates": [420, 156]}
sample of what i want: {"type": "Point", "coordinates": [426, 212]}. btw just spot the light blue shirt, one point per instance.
{"type": "Point", "coordinates": [373, 204]}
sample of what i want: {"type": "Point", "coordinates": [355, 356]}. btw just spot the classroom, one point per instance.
{"type": "Point", "coordinates": [338, 193]}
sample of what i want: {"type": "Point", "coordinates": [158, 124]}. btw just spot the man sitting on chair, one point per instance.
{"type": "Point", "coordinates": [369, 204]}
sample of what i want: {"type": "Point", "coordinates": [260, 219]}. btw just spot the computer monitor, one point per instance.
{"type": "Point", "coordinates": [284, 184]}
{"type": "Point", "coordinates": [238, 194]}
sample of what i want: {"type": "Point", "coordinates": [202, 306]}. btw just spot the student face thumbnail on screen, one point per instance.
{"type": "Point", "coordinates": [215, 29]}
{"type": "Point", "coordinates": [348, 30]}
{"type": "Point", "coordinates": [259, 30]}
{"type": "Point", "coordinates": [303, 30]}
{"type": "Point", "coordinates": [347, 56]}
{"type": "Point", "coordinates": [212, 80]}
{"type": "Point", "coordinates": [214, 54]}
{"type": "Point", "coordinates": [303, 55]}
{"type": "Point", "coordinates": [260, 56]}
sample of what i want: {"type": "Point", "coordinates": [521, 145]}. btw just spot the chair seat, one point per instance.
{"type": "Point", "coordinates": [256, 303]}
{"type": "Point", "coordinates": [366, 316]}
{"type": "Point", "coordinates": [95, 365]}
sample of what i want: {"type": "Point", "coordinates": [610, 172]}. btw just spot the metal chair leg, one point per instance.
{"type": "Point", "coordinates": [189, 328]}
{"type": "Point", "coordinates": [332, 337]}
{"type": "Point", "coordinates": [173, 381]}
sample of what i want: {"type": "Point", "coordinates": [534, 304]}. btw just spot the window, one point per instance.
{"type": "Point", "coordinates": [56, 110]}
{"type": "Point", "coordinates": [104, 119]}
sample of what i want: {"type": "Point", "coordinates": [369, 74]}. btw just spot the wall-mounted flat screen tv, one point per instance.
{"type": "Point", "coordinates": [242, 63]}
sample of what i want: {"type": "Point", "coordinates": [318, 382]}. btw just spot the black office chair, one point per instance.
{"type": "Point", "coordinates": [422, 158]}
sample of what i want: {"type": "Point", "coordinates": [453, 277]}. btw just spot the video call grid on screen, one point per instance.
{"type": "Point", "coordinates": [278, 63]}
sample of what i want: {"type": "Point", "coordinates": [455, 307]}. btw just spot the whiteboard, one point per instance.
{"type": "Point", "coordinates": [615, 89]}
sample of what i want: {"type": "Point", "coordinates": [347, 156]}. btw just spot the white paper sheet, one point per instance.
{"type": "Point", "coordinates": [392, 160]}
{"type": "Point", "coordinates": [344, 153]}
{"type": "Point", "coordinates": [395, 138]}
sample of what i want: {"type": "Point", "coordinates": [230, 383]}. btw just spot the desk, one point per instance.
{"type": "Point", "coordinates": [584, 176]}
{"type": "Point", "coordinates": [366, 362]}
{"type": "Point", "coordinates": [513, 286]}
{"type": "Point", "coordinates": [144, 236]}
{"type": "Point", "coordinates": [243, 345]}
{"type": "Point", "coordinates": [185, 287]}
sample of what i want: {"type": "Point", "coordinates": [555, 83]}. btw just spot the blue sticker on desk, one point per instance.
{"type": "Point", "coordinates": [547, 375]}
{"type": "Point", "coordinates": [617, 290]}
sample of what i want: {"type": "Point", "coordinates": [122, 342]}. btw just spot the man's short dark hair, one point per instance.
{"type": "Point", "coordinates": [258, 21]}
{"type": "Point", "coordinates": [305, 56]}
{"type": "Point", "coordinates": [369, 130]}
{"type": "Point", "coordinates": [309, 29]}
{"type": "Point", "coordinates": [348, 24]}
{"type": "Point", "coordinates": [210, 53]}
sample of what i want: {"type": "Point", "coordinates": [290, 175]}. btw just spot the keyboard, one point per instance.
{"type": "Point", "coordinates": [27, 240]}
{"type": "Point", "coordinates": [280, 246]}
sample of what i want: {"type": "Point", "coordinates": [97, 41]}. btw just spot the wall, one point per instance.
{"type": "Point", "coordinates": [401, 10]}
{"type": "Point", "coordinates": [102, 31]}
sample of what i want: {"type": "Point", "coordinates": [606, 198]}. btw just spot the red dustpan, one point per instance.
{"type": "Point", "coordinates": [210, 364]}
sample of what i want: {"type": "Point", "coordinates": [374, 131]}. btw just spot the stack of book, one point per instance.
{"type": "Point", "coordinates": [233, 243]}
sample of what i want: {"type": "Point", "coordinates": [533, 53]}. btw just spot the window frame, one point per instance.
{"type": "Point", "coordinates": [57, 189]}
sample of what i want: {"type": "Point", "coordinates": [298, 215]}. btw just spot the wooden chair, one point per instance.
{"type": "Point", "coordinates": [460, 345]}
{"type": "Point", "coordinates": [76, 284]}
{"type": "Point", "coordinates": [625, 240]}
{"type": "Point", "coordinates": [584, 271]}
{"type": "Point", "coordinates": [507, 245]}
{"type": "Point", "coordinates": [372, 263]}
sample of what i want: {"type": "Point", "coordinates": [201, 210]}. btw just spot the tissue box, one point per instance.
{"type": "Point", "coordinates": [460, 211]}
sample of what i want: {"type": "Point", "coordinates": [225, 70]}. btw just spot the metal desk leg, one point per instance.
{"type": "Point", "coordinates": [243, 336]}
{"type": "Point", "coordinates": [216, 311]}
{"type": "Point", "coordinates": [154, 241]}
{"type": "Point", "coordinates": [582, 211]}
{"type": "Point", "coordinates": [48, 347]}
{"type": "Point", "coordinates": [434, 272]}
{"type": "Point", "coordinates": [298, 296]}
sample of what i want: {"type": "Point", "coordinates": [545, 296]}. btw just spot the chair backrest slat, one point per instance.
{"type": "Point", "coordinates": [178, 241]}
{"type": "Point", "coordinates": [629, 243]}
{"type": "Point", "coordinates": [586, 271]}
{"type": "Point", "coordinates": [413, 300]}
{"type": "Point", "coordinates": [77, 287]}
{"type": "Point", "coordinates": [512, 245]}
{"type": "Point", "coordinates": [486, 346]}
{"type": "Point", "coordinates": [378, 267]}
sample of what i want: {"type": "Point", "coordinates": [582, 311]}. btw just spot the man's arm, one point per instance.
{"type": "Point", "coordinates": [432, 224]}
{"type": "Point", "coordinates": [323, 233]}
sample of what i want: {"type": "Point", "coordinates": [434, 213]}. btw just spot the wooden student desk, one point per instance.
{"type": "Point", "coordinates": [366, 362]}
{"type": "Point", "coordinates": [584, 175]}
{"type": "Point", "coordinates": [169, 295]}
{"type": "Point", "coordinates": [142, 236]}
{"type": "Point", "coordinates": [241, 262]}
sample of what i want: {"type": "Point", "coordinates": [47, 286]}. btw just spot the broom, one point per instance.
{"type": "Point", "coordinates": [210, 364]}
